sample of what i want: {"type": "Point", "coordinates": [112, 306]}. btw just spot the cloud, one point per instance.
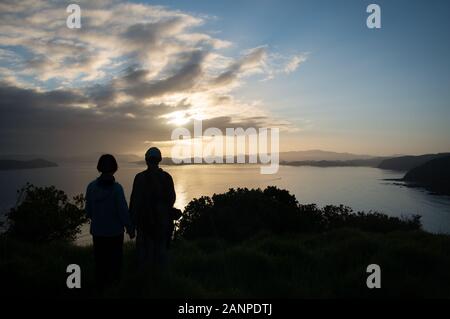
{"type": "Point", "coordinates": [121, 78]}
{"type": "Point", "coordinates": [182, 80]}
{"type": "Point", "coordinates": [252, 61]}
{"type": "Point", "coordinates": [49, 122]}
{"type": "Point", "coordinates": [56, 123]}
{"type": "Point", "coordinates": [294, 62]}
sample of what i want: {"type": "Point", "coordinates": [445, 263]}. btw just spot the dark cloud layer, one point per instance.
{"type": "Point", "coordinates": [51, 122]}
{"type": "Point", "coordinates": [184, 79]}
{"type": "Point", "coordinates": [122, 79]}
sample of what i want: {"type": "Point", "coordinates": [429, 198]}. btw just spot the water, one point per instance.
{"type": "Point", "coordinates": [361, 188]}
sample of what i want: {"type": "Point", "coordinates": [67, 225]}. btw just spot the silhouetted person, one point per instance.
{"type": "Point", "coordinates": [107, 208]}
{"type": "Point", "coordinates": [152, 198]}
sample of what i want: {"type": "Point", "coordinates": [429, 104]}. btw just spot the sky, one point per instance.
{"type": "Point", "coordinates": [134, 71]}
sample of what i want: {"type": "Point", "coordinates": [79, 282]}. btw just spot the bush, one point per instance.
{"type": "Point", "coordinates": [44, 214]}
{"type": "Point", "coordinates": [240, 214]}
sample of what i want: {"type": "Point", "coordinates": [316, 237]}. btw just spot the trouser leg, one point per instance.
{"type": "Point", "coordinates": [100, 262]}
{"type": "Point", "coordinates": [108, 253]}
{"type": "Point", "coordinates": [116, 257]}
{"type": "Point", "coordinates": [160, 253]}
{"type": "Point", "coordinates": [143, 250]}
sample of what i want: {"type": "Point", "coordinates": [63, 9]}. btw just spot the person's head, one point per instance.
{"type": "Point", "coordinates": [153, 156]}
{"type": "Point", "coordinates": [107, 164]}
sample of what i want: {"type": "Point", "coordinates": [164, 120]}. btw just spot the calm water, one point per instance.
{"type": "Point", "coordinates": [361, 188]}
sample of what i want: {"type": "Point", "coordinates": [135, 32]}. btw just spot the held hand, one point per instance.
{"type": "Point", "coordinates": [132, 234]}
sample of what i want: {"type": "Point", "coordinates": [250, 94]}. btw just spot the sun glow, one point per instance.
{"type": "Point", "coordinates": [177, 118]}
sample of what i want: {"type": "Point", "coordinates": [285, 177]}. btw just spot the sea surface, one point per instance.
{"type": "Point", "coordinates": [361, 188]}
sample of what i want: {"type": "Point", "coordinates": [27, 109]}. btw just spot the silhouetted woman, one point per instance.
{"type": "Point", "coordinates": [107, 208]}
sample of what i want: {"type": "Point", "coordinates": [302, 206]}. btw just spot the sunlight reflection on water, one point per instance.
{"type": "Point", "coordinates": [361, 188]}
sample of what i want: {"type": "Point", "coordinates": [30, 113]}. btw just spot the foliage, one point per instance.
{"type": "Point", "coordinates": [44, 214]}
{"type": "Point", "coordinates": [241, 244]}
{"type": "Point", "coordinates": [313, 265]}
{"type": "Point", "coordinates": [243, 213]}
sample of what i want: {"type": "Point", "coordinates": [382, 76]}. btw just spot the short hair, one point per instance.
{"type": "Point", "coordinates": [153, 156]}
{"type": "Point", "coordinates": [107, 164]}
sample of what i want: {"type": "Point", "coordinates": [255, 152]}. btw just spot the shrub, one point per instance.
{"type": "Point", "coordinates": [243, 213]}
{"type": "Point", "coordinates": [45, 214]}
{"type": "Point", "coordinates": [334, 217]}
{"type": "Point", "coordinates": [239, 214]}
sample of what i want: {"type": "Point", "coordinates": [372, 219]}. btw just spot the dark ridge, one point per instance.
{"type": "Point", "coordinates": [434, 175]}
{"type": "Point", "coordinates": [405, 163]}
{"type": "Point", "coordinates": [36, 163]}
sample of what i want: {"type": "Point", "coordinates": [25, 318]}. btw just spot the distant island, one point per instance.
{"type": "Point", "coordinates": [201, 161]}
{"type": "Point", "coordinates": [319, 158]}
{"type": "Point", "coordinates": [315, 158]}
{"type": "Point", "coordinates": [293, 158]}
{"type": "Point", "coordinates": [371, 162]}
{"type": "Point", "coordinates": [429, 171]}
{"type": "Point", "coordinates": [14, 164]}
{"type": "Point", "coordinates": [399, 163]}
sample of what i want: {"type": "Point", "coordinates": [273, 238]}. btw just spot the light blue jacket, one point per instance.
{"type": "Point", "coordinates": [107, 208]}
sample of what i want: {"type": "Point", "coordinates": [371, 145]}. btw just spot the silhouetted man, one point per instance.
{"type": "Point", "coordinates": [152, 197]}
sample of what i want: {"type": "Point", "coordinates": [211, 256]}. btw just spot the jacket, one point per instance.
{"type": "Point", "coordinates": [107, 207]}
{"type": "Point", "coordinates": [150, 188]}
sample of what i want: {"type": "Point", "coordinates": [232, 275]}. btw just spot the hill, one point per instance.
{"type": "Point", "coordinates": [93, 158]}
{"type": "Point", "coordinates": [303, 158]}
{"type": "Point", "coordinates": [309, 157]}
{"type": "Point", "coordinates": [406, 163]}
{"type": "Point", "coordinates": [36, 163]}
{"type": "Point", "coordinates": [371, 162]}
{"type": "Point", "coordinates": [79, 158]}
{"type": "Point", "coordinates": [433, 175]}
{"type": "Point", "coordinates": [319, 155]}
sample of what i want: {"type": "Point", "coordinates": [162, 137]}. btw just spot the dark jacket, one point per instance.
{"type": "Point", "coordinates": [107, 207]}
{"type": "Point", "coordinates": [153, 193]}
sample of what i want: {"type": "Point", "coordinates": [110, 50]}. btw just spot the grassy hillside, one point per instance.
{"type": "Point", "coordinates": [243, 243]}
{"type": "Point", "coordinates": [330, 264]}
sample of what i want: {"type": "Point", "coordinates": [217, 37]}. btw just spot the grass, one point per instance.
{"type": "Point", "coordinates": [321, 265]}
